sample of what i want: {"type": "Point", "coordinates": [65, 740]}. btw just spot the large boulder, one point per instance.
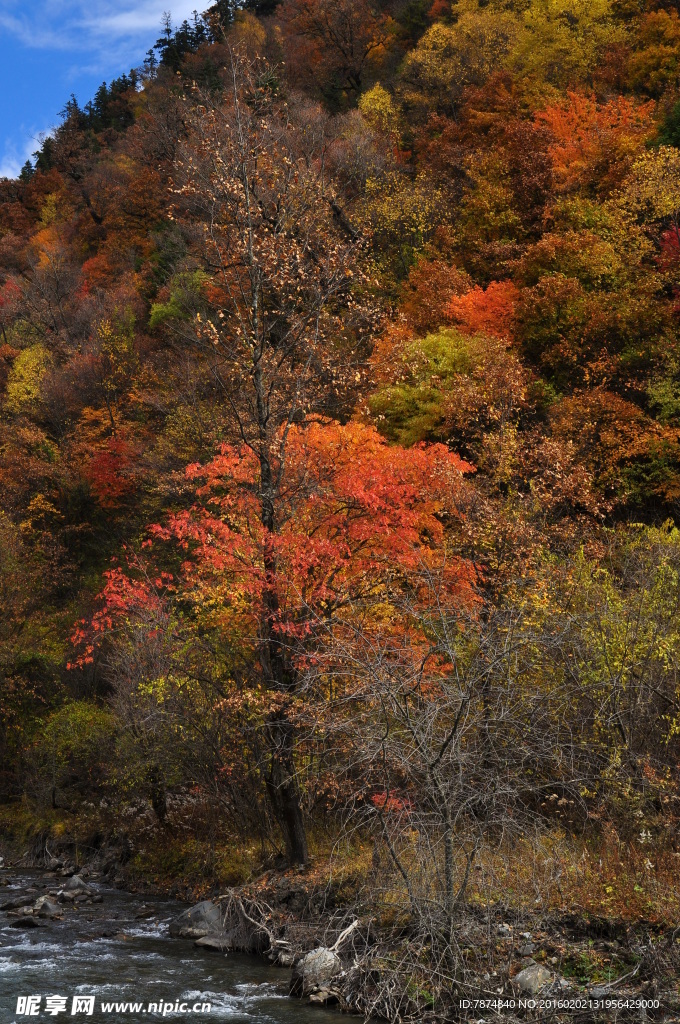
{"type": "Point", "coordinates": [203, 919]}
{"type": "Point", "coordinates": [532, 980]}
{"type": "Point", "coordinates": [315, 971]}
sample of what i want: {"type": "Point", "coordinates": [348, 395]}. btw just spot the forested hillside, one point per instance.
{"type": "Point", "coordinates": [340, 462]}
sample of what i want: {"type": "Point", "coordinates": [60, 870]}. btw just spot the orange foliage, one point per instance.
{"type": "Point", "coordinates": [489, 311]}
{"type": "Point", "coordinates": [359, 523]}
{"type": "Point", "coordinates": [431, 286]}
{"type": "Point", "coordinates": [620, 445]}
{"type": "Point", "coordinates": [594, 143]}
{"type": "Point", "coordinates": [355, 514]}
{"type": "Point", "coordinates": [97, 272]}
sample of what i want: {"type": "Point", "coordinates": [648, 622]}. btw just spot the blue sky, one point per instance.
{"type": "Point", "coordinates": [52, 48]}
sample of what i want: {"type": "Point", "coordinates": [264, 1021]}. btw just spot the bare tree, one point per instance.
{"type": "Point", "coordinates": [448, 732]}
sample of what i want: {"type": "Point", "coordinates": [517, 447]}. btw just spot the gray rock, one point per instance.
{"type": "Point", "coordinates": [527, 949]}
{"type": "Point", "coordinates": [532, 980]}
{"type": "Point", "coordinates": [220, 943]}
{"type": "Point", "coordinates": [77, 884]}
{"type": "Point", "coordinates": [203, 919]}
{"type": "Point", "coordinates": [315, 971]}
{"type": "Point", "coordinates": [50, 909]}
{"type": "Point", "coordinates": [600, 991]}
{"type": "Point", "coordinates": [44, 906]}
{"type": "Point", "coordinates": [145, 912]}
{"type": "Point", "coordinates": [26, 922]}
{"type": "Point", "coordinates": [18, 901]}
{"type": "Point", "coordinates": [504, 930]}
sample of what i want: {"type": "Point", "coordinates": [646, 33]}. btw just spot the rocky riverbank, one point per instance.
{"type": "Point", "coordinates": [110, 953]}
{"type": "Point", "coordinates": [329, 955]}
{"type": "Point", "coordinates": [530, 960]}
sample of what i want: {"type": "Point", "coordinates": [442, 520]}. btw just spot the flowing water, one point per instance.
{"type": "Point", "coordinates": [107, 952]}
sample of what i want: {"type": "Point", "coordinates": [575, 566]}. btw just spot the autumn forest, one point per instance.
{"type": "Point", "coordinates": [340, 462]}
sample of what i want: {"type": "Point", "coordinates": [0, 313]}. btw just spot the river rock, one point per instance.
{"type": "Point", "coordinates": [50, 910]}
{"type": "Point", "coordinates": [46, 907]}
{"type": "Point", "coordinates": [18, 901]}
{"type": "Point", "coordinates": [26, 922]}
{"type": "Point", "coordinates": [315, 971]}
{"type": "Point", "coordinates": [220, 943]}
{"type": "Point", "coordinates": [203, 919]}
{"type": "Point", "coordinates": [78, 884]}
{"type": "Point", "coordinates": [144, 912]}
{"type": "Point", "coordinates": [533, 979]}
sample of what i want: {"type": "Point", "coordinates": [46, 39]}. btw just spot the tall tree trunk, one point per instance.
{"type": "Point", "coordinates": [283, 790]}
{"type": "Point", "coordinates": [281, 782]}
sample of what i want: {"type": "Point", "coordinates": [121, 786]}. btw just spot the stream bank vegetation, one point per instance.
{"type": "Point", "coordinates": [340, 451]}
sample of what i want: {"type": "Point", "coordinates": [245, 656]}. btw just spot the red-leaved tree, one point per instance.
{"type": "Point", "coordinates": [359, 524]}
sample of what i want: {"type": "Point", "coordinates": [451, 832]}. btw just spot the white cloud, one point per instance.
{"type": "Point", "coordinates": [15, 154]}
{"type": "Point", "coordinates": [95, 38]}
{"type": "Point", "coordinates": [104, 29]}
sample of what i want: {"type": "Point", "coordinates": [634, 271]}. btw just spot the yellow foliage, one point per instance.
{"type": "Point", "coordinates": [25, 378]}
{"type": "Point", "coordinates": [488, 211]}
{"type": "Point", "coordinates": [451, 57]}
{"type": "Point", "coordinates": [652, 192]}
{"type": "Point", "coordinates": [561, 41]}
{"type": "Point", "coordinates": [401, 213]}
{"type": "Point", "coordinates": [379, 109]}
{"type": "Point", "coordinates": [248, 33]}
{"type": "Point", "coordinates": [39, 514]}
{"type": "Point", "coordinates": [50, 211]}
